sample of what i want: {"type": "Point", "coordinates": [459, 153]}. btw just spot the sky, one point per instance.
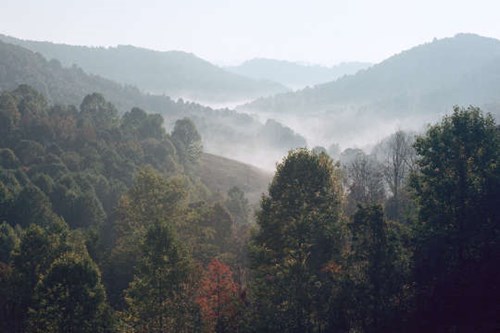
{"type": "Point", "coordinates": [228, 32]}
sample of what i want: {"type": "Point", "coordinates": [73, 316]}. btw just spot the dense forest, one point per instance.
{"type": "Point", "coordinates": [107, 226]}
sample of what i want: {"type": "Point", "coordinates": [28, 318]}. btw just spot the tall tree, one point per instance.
{"type": "Point", "coordinates": [151, 199]}
{"type": "Point", "coordinates": [161, 298]}
{"type": "Point", "coordinates": [457, 255]}
{"type": "Point", "coordinates": [399, 162]}
{"type": "Point", "coordinates": [300, 236]}
{"type": "Point", "coordinates": [365, 183]}
{"type": "Point", "coordinates": [378, 272]}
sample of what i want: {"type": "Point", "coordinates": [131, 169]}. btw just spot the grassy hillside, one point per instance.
{"type": "Point", "coordinates": [220, 174]}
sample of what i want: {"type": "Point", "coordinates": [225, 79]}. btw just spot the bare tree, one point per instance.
{"type": "Point", "coordinates": [399, 162]}
{"type": "Point", "coordinates": [365, 182]}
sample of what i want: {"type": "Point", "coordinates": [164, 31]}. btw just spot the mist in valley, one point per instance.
{"type": "Point", "coordinates": [341, 175]}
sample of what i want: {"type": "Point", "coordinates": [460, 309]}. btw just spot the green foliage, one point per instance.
{"type": "Point", "coordinates": [70, 298]}
{"type": "Point", "coordinates": [160, 297]}
{"type": "Point", "coordinates": [38, 248]}
{"type": "Point", "coordinates": [299, 238]}
{"type": "Point", "coordinates": [188, 141]}
{"type": "Point", "coordinates": [32, 206]}
{"type": "Point", "coordinates": [151, 199]}
{"type": "Point", "coordinates": [9, 113]}
{"type": "Point", "coordinates": [97, 113]}
{"type": "Point", "coordinates": [237, 205]}
{"type": "Point", "coordinates": [8, 159]}
{"type": "Point", "coordinates": [458, 191]}
{"type": "Point", "coordinates": [9, 242]}
{"type": "Point", "coordinates": [378, 273]}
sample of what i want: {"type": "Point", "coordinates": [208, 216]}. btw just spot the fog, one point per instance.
{"type": "Point", "coordinates": [361, 130]}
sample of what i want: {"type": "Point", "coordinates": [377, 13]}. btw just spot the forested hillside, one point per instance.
{"type": "Point", "coordinates": [107, 226]}
{"type": "Point", "coordinates": [73, 181]}
{"type": "Point", "coordinates": [224, 132]}
{"type": "Point", "coordinates": [174, 73]}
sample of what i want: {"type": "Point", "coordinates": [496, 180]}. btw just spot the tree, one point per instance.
{"type": "Point", "coordinates": [218, 298]}
{"type": "Point", "coordinates": [399, 162]}
{"type": "Point", "coordinates": [365, 183]}
{"type": "Point", "coordinates": [9, 114]}
{"type": "Point", "coordinates": [138, 122]}
{"type": "Point", "coordinates": [300, 237]}
{"type": "Point", "coordinates": [32, 207]}
{"type": "Point", "coordinates": [187, 140]}
{"type": "Point", "coordinates": [98, 113]}
{"type": "Point", "coordinates": [378, 272]}
{"type": "Point", "coordinates": [70, 298]}
{"type": "Point", "coordinates": [237, 205]}
{"type": "Point", "coordinates": [149, 201]}
{"type": "Point", "coordinates": [161, 298]}
{"type": "Point", "coordinates": [458, 189]}
{"type": "Point", "coordinates": [9, 241]}
{"type": "Point", "coordinates": [38, 248]}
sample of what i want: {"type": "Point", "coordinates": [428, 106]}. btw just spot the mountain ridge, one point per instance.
{"type": "Point", "coordinates": [295, 74]}
{"type": "Point", "coordinates": [419, 72]}
{"type": "Point", "coordinates": [173, 73]}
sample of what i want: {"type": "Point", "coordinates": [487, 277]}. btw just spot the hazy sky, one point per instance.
{"type": "Point", "coordinates": [227, 32]}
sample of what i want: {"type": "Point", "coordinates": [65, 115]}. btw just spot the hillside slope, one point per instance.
{"type": "Point", "coordinates": [224, 132]}
{"type": "Point", "coordinates": [427, 78]}
{"type": "Point", "coordinates": [220, 174]}
{"type": "Point", "coordinates": [173, 73]}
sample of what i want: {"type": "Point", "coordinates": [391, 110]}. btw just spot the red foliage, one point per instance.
{"type": "Point", "coordinates": [217, 295]}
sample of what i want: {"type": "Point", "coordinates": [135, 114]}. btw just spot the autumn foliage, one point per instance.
{"type": "Point", "coordinates": [218, 297]}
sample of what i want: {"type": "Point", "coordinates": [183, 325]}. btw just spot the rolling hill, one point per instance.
{"type": "Point", "coordinates": [458, 70]}
{"type": "Point", "coordinates": [406, 91]}
{"type": "Point", "coordinates": [173, 73]}
{"type": "Point", "coordinates": [224, 132]}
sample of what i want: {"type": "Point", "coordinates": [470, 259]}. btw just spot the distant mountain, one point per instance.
{"type": "Point", "coordinates": [295, 75]}
{"type": "Point", "coordinates": [224, 132]}
{"type": "Point", "coordinates": [173, 73]}
{"type": "Point", "coordinates": [458, 70]}
{"type": "Point", "coordinates": [406, 90]}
